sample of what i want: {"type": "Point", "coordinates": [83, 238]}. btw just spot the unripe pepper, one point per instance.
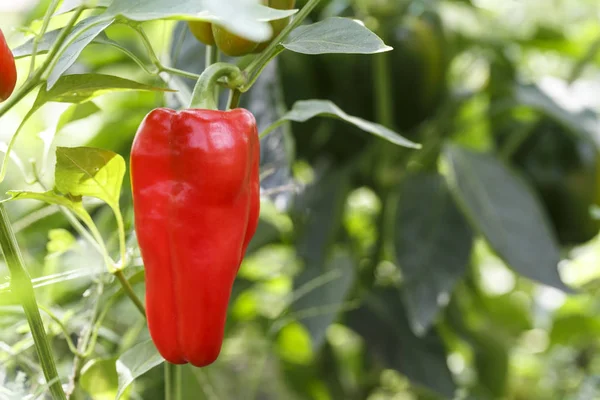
{"type": "Point", "coordinates": [8, 70]}
{"type": "Point", "coordinates": [195, 179]}
{"type": "Point", "coordinates": [233, 45]}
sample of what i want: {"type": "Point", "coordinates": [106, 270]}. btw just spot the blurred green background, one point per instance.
{"type": "Point", "coordinates": [365, 280]}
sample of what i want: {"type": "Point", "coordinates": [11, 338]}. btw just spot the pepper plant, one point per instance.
{"type": "Point", "coordinates": [311, 199]}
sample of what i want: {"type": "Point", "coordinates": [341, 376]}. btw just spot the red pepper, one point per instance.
{"type": "Point", "coordinates": [195, 178]}
{"type": "Point", "coordinates": [8, 70]}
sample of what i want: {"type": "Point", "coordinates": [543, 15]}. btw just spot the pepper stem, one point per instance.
{"type": "Point", "coordinates": [203, 96]}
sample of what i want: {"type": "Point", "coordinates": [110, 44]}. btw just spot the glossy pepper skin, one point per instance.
{"type": "Point", "coordinates": [8, 70]}
{"type": "Point", "coordinates": [195, 179]}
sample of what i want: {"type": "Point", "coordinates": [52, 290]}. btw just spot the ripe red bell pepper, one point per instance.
{"type": "Point", "coordinates": [195, 178]}
{"type": "Point", "coordinates": [8, 70]}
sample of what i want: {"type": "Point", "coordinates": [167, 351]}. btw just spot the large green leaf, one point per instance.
{"type": "Point", "coordinates": [84, 87]}
{"type": "Point", "coordinates": [248, 19]}
{"type": "Point", "coordinates": [304, 110]}
{"type": "Point", "coordinates": [384, 326]}
{"type": "Point", "coordinates": [506, 212]}
{"type": "Point", "coordinates": [433, 244]}
{"type": "Point", "coordinates": [335, 35]}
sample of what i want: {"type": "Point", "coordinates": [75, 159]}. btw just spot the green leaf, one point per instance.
{"type": "Point", "coordinates": [87, 171]}
{"type": "Point", "coordinates": [506, 212]}
{"type": "Point", "coordinates": [384, 326]}
{"type": "Point", "coordinates": [48, 40]}
{"type": "Point", "coordinates": [84, 87]}
{"type": "Point", "coordinates": [135, 362]}
{"type": "Point", "coordinates": [306, 109]}
{"type": "Point", "coordinates": [433, 245]}
{"type": "Point", "coordinates": [72, 203]}
{"type": "Point", "coordinates": [74, 44]}
{"type": "Point", "coordinates": [248, 19]}
{"type": "Point", "coordinates": [335, 35]}
{"type": "Point", "coordinates": [99, 378]}
{"type": "Point", "coordinates": [325, 296]}
{"type": "Point", "coordinates": [75, 113]}
{"type": "Point", "coordinates": [60, 241]}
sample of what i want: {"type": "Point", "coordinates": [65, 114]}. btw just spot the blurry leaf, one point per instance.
{"type": "Point", "coordinates": [491, 361]}
{"type": "Point", "coordinates": [60, 240]}
{"type": "Point", "coordinates": [574, 330]}
{"type": "Point", "coordinates": [99, 378]}
{"type": "Point", "coordinates": [135, 362]}
{"type": "Point", "coordinates": [294, 344]}
{"type": "Point", "coordinates": [335, 35]}
{"type": "Point", "coordinates": [74, 44]}
{"type": "Point", "coordinates": [304, 110]}
{"type": "Point", "coordinates": [245, 18]}
{"type": "Point", "coordinates": [588, 389]}
{"type": "Point", "coordinates": [87, 171]}
{"type": "Point", "coordinates": [319, 307]}
{"type": "Point", "coordinates": [433, 244]}
{"type": "Point", "coordinates": [75, 113]}
{"type": "Point", "coordinates": [84, 87]}
{"type": "Point", "coordinates": [584, 124]}
{"type": "Point", "coordinates": [503, 208]}
{"type": "Point", "coordinates": [384, 326]}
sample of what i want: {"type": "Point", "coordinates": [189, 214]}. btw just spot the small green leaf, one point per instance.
{"type": "Point", "coordinates": [60, 241]}
{"type": "Point", "coordinates": [248, 19]}
{"type": "Point", "coordinates": [506, 212]}
{"type": "Point", "coordinates": [84, 87]}
{"type": "Point", "coordinates": [87, 171]}
{"type": "Point", "coordinates": [51, 197]}
{"type": "Point", "coordinates": [135, 362]}
{"type": "Point", "coordinates": [75, 113]}
{"type": "Point", "coordinates": [335, 35]}
{"type": "Point", "coordinates": [306, 109]}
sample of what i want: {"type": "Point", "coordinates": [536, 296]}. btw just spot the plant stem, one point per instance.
{"type": "Point", "coordinates": [180, 72]}
{"type": "Point", "coordinates": [383, 90]}
{"type": "Point", "coordinates": [168, 380]}
{"type": "Point", "coordinates": [130, 293]}
{"type": "Point", "coordinates": [41, 33]}
{"type": "Point", "coordinates": [234, 99]}
{"type": "Point", "coordinates": [203, 96]}
{"type": "Point", "coordinates": [257, 65]}
{"type": "Point", "coordinates": [23, 289]}
{"type": "Point", "coordinates": [212, 54]}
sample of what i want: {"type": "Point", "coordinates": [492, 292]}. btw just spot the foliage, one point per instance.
{"type": "Point", "coordinates": [429, 212]}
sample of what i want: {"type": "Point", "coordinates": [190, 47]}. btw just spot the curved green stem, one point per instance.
{"type": "Point", "coordinates": [234, 99]}
{"type": "Point", "coordinates": [128, 289]}
{"type": "Point", "coordinates": [21, 286]}
{"type": "Point", "coordinates": [180, 72]}
{"type": "Point", "coordinates": [203, 96]}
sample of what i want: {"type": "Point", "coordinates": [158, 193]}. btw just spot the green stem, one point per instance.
{"type": "Point", "coordinates": [177, 381]}
{"type": "Point", "coordinates": [234, 99]}
{"type": "Point", "coordinates": [203, 96]}
{"type": "Point", "coordinates": [41, 33]}
{"type": "Point", "coordinates": [212, 54]}
{"type": "Point", "coordinates": [175, 71]}
{"type": "Point", "coordinates": [274, 48]}
{"type": "Point", "coordinates": [168, 380]}
{"type": "Point", "coordinates": [21, 286]}
{"type": "Point", "coordinates": [128, 289]}
{"type": "Point", "coordinates": [383, 90]}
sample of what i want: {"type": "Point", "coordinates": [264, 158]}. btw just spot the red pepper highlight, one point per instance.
{"type": "Point", "coordinates": [195, 178]}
